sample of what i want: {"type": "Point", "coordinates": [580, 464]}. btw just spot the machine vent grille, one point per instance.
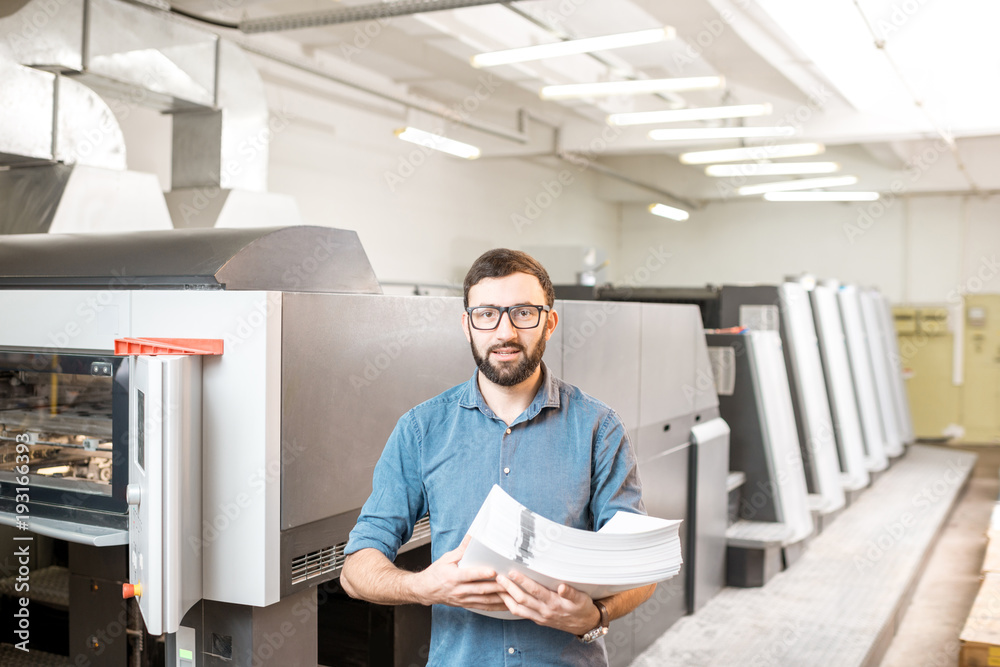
{"type": "Point", "coordinates": [317, 563]}
{"type": "Point", "coordinates": [421, 529]}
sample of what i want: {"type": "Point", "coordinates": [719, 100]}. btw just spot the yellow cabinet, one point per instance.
{"type": "Point", "coordinates": [927, 347]}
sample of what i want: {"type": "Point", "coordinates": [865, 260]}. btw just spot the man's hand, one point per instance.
{"type": "Point", "coordinates": [443, 582]}
{"type": "Point", "coordinates": [565, 609]}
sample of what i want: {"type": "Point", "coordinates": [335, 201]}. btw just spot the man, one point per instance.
{"type": "Point", "coordinates": [558, 451]}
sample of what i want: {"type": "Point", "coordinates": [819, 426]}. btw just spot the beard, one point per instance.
{"type": "Point", "coordinates": [509, 373]}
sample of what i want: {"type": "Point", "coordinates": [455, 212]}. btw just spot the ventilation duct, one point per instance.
{"type": "Point", "coordinates": [138, 56]}
{"type": "Point", "coordinates": [48, 118]}
{"type": "Point", "coordinates": [66, 159]}
{"type": "Point", "coordinates": [132, 55]}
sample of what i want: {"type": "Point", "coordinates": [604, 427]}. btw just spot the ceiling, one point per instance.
{"type": "Point", "coordinates": [901, 92]}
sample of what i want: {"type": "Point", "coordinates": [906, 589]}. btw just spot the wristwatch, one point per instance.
{"type": "Point", "coordinates": [602, 628]}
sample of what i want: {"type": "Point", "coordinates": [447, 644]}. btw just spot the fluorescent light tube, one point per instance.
{"type": "Point", "coordinates": [635, 87]}
{"type": "Point", "coordinates": [687, 133]}
{"type": "Point", "coordinates": [771, 169]}
{"type": "Point", "coordinates": [821, 196]}
{"type": "Point", "coordinates": [573, 47]}
{"type": "Point", "coordinates": [800, 184]}
{"type": "Point", "coordinates": [665, 211]}
{"type": "Point", "coordinates": [438, 143]}
{"type": "Point", "coordinates": [764, 152]}
{"type": "Point", "coordinates": [676, 115]}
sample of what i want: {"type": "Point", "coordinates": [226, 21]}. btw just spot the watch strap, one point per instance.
{"type": "Point", "coordinates": [605, 621]}
{"type": "Point", "coordinates": [602, 626]}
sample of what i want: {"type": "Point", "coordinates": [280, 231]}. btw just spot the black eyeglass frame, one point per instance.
{"type": "Point", "coordinates": [506, 309]}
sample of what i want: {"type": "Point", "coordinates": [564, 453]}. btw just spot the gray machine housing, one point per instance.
{"type": "Point", "coordinates": [650, 362]}
{"type": "Point", "coordinates": [327, 364]}
{"type": "Point", "coordinates": [733, 300]}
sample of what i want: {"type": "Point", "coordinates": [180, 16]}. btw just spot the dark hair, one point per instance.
{"type": "Point", "coordinates": [501, 262]}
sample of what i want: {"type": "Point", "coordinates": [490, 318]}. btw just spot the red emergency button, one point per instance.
{"type": "Point", "coordinates": [131, 590]}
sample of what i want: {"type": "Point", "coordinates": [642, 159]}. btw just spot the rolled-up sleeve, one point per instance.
{"type": "Point", "coordinates": [615, 484]}
{"type": "Point", "coordinates": [397, 499]}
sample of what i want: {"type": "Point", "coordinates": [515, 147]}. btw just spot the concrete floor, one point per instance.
{"type": "Point", "coordinates": [928, 634]}
{"type": "Point", "coordinates": [839, 604]}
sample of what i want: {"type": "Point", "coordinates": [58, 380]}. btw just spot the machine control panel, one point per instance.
{"type": "Point", "coordinates": [164, 490]}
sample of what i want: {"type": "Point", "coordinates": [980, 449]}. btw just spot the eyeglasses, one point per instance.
{"type": "Point", "coordinates": [487, 318]}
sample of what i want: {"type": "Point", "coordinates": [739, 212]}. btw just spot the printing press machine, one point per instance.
{"type": "Point", "coordinates": [202, 411]}
{"type": "Point", "coordinates": [806, 398]}
{"type": "Point", "coordinates": [650, 363]}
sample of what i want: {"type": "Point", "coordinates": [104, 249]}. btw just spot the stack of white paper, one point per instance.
{"type": "Point", "coordinates": [631, 550]}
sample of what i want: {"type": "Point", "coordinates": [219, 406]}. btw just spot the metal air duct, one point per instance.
{"type": "Point", "coordinates": [137, 56]}
{"type": "Point", "coordinates": [66, 159]}
{"type": "Point", "coordinates": [130, 55]}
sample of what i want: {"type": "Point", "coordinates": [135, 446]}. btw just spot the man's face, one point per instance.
{"type": "Point", "coordinates": [507, 356]}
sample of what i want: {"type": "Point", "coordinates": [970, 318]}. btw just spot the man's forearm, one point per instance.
{"type": "Point", "coordinates": [620, 604]}
{"type": "Point", "coordinates": [369, 575]}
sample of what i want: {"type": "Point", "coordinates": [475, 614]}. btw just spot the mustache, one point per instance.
{"type": "Point", "coordinates": [510, 346]}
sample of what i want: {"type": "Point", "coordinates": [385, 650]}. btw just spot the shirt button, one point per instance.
{"type": "Point", "coordinates": [506, 471]}
{"type": "Point", "coordinates": [508, 433]}
{"type": "Point", "coordinates": [511, 650]}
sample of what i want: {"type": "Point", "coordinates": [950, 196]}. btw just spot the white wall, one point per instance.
{"type": "Point", "coordinates": [918, 249]}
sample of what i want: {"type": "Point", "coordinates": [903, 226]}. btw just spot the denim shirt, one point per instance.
{"type": "Point", "coordinates": [566, 457]}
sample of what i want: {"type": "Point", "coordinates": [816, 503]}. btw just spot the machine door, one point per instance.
{"type": "Point", "coordinates": [164, 490]}
{"type": "Point", "coordinates": [64, 425]}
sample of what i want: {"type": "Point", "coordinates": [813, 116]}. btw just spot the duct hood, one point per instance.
{"type": "Point", "coordinates": [299, 259]}
{"type": "Point", "coordinates": [61, 198]}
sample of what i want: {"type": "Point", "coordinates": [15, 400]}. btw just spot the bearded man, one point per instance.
{"type": "Point", "coordinates": [553, 448]}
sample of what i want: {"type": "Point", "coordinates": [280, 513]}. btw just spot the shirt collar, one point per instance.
{"type": "Point", "coordinates": [546, 397]}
